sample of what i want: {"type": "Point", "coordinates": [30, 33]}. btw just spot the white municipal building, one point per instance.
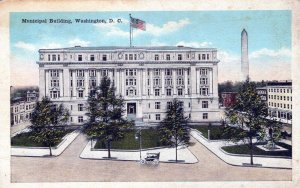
{"type": "Point", "coordinates": [147, 77]}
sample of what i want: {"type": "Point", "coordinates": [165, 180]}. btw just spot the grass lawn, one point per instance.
{"type": "Point", "coordinates": [216, 132]}
{"type": "Point", "coordinates": [150, 139]}
{"type": "Point", "coordinates": [244, 149]}
{"type": "Point", "coordinates": [24, 140]}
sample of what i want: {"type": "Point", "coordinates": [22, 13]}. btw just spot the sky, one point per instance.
{"type": "Point", "coordinates": [269, 38]}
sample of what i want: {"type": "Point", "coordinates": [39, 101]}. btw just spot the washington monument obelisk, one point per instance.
{"type": "Point", "coordinates": [244, 57]}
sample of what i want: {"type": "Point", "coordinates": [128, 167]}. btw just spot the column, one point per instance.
{"type": "Point", "coordinates": [110, 74]}
{"type": "Point", "coordinates": [123, 81]}
{"type": "Point", "coordinates": [86, 83]}
{"type": "Point", "coordinates": [66, 82]}
{"type": "Point", "coordinates": [98, 81]}
{"type": "Point", "coordinates": [215, 80]}
{"type": "Point", "coordinates": [193, 80]}
{"type": "Point", "coordinates": [61, 90]}
{"type": "Point", "coordinates": [211, 81]}
{"type": "Point", "coordinates": [74, 83]}
{"type": "Point", "coordinates": [151, 82]}
{"type": "Point", "coordinates": [42, 83]}
{"type": "Point", "coordinates": [185, 82]}
{"type": "Point", "coordinates": [197, 81]}
{"type": "Point", "coordinates": [138, 82]}
{"type": "Point", "coordinates": [144, 84]}
{"type": "Point", "coordinates": [47, 83]}
{"type": "Point", "coordinates": [163, 81]}
{"type": "Point", "coordinates": [174, 81]}
{"type": "Point", "coordinates": [117, 80]}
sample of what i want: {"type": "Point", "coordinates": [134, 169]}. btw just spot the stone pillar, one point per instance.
{"type": "Point", "coordinates": [144, 84]}
{"type": "Point", "coordinates": [42, 83]}
{"type": "Point", "coordinates": [210, 79]}
{"type": "Point", "coordinates": [138, 83]}
{"type": "Point", "coordinates": [185, 82]}
{"type": "Point", "coordinates": [98, 81]}
{"type": "Point", "coordinates": [174, 81]}
{"type": "Point", "coordinates": [61, 90]}
{"type": "Point", "coordinates": [193, 80]}
{"type": "Point", "coordinates": [86, 83]}
{"type": "Point", "coordinates": [163, 81]}
{"type": "Point", "coordinates": [122, 79]}
{"type": "Point", "coordinates": [197, 81]}
{"type": "Point", "coordinates": [47, 83]}
{"type": "Point", "coordinates": [74, 83]}
{"type": "Point", "coordinates": [151, 82]}
{"type": "Point", "coordinates": [117, 80]}
{"type": "Point", "coordinates": [66, 82]}
{"type": "Point", "coordinates": [215, 80]}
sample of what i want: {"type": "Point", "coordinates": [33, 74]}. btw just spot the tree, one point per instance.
{"type": "Point", "coordinates": [173, 129]}
{"type": "Point", "coordinates": [48, 122]}
{"type": "Point", "coordinates": [273, 129]}
{"type": "Point", "coordinates": [250, 113]}
{"type": "Point", "coordinates": [105, 111]}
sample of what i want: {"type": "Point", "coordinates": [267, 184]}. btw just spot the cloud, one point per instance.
{"type": "Point", "coordinates": [264, 64]}
{"type": "Point", "coordinates": [166, 28]}
{"type": "Point", "coordinates": [79, 42]}
{"type": "Point", "coordinates": [112, 29]}
{"type": "Point", "coordinates": [195, 44]}
{"type": "Point", "coordinates": [25, 46]}
{"type": "Point", "coordinates": [265, 52]}
{"type": "Point", "coordinates": [51, 46]}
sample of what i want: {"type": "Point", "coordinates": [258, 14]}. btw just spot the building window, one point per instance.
{"type": "Point", "coordinates": [92, 83]}
{"type": "Point", "coordinates": [180, 81]}
{"type": "Point", "coordinates": [168, 57]}
{"type": "Point", "coordinates": [205, 116]}
{"type": "Point", "coordinates": [135, 57]}
{"type": "Point", "coordinates": [54, 94]}
{"type": "Point", "coordinates": [169, 104]}
{"type": "Point", "coordinates": [156, 57]}
{"type": "Point", "coordinates": [53, 57]}
{"type": "Point", "coordinates": [203, 91]}
{"type": "Point", "coordinates": [203, 81]}
{"type": "Point", "coordinates": [168, 72]}
{"type": "Point", "coordinates": [80, 83]}
{"type": "Point", "coordinates": [156, 92]}
{"type": "Point", "coordinates": [130, 56]}
{"type": "Point", "coordinates": [203, 71]}
{"type": "Point", "coordinates": [168, 81]}
{"type": "Point", "coordinates": [54, 73]}
{"type": "Point", "coordinates": [92, 58]}
{"type": "Point", "coordinates": [179, 56]}
{"type": "Point", "coordinates": [79, 57]}
{"type": "Point", "coordinates": [169, 92]}
{"type": "Point", "coordinates": [148, 92]}
{"type": "Point", "coordinates": [80, 94]}
{"type": "Point", "coordinates": [80, 73]}
{"type": "Point", "coordinates": [156, 72]}
{"type": "Point", "coordinates": [80, 107]}
{"type": "Point", "coordinates": [156, 82]}
{"type": "Point", "coordinates": [54, 83]}
{"type": "Point", "coordinates": [203, 56]}
{"type": "Point", "coordinates": [180, 72]}
{"type": "Point", "coordinates": [180, 92]}
{"type": "Point", "coordinates": [104, 57]}
{"type": "Point", "coordinates": [204, 104]}
{"type": "Point", "coordinates": [104, 72]}
{"type": "Point", "coordinates": [157, 105]}
{"type": "Point", "coordinates": [92, 73]}
{"type": "Point", "coordinates": [157, 117]}
{"type": "Point", "coordinates": [58, 57]}
{"type": "Point", "coordinates": [207, 56]}
{"type": "Point", "coordinates": [148, 82]}
{"type": "Point", "coordinates": [126, 57]}
{"type": "Point", "coordinates": [80, 119]}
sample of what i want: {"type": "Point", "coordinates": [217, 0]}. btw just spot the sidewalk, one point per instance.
{"type": "Point", "coordinates": [44, 151]}
{"type": "Point", "coordinates": [214, 146]}
{"type": "Point", "coordinates": [166, 154]}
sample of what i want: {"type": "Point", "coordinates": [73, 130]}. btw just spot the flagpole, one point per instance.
{"type": "Point", "coordinates": [130, 29]}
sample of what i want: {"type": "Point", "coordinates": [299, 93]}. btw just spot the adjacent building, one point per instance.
{"type": "Point", "coordinates": [280, 100]}
{"type": "Point", "coordinates": [21, 109]}
{"type": "Point", "coordinates": [148, 78]}
{"type": "Point", "coordinates": [228, 98]}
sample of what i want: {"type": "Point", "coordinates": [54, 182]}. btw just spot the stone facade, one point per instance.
{"type": "Point", "coordinates": [147, 77]}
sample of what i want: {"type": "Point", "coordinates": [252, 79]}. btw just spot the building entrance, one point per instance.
{"type": "Point", "coordinates": [131, 108]}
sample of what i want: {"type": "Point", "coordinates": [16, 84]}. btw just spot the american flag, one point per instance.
{"type": "Point", "coordinates": [137, 23]}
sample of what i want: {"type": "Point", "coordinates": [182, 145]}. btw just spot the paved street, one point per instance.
{"type": "Point", "coordinates": [69, 167]}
